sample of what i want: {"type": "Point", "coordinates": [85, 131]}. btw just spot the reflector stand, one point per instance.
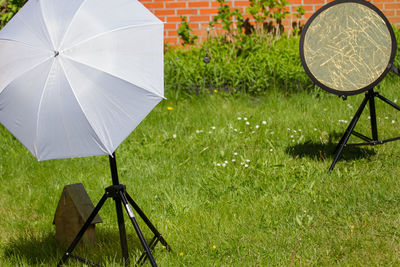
{"type": "Point", "coordinates": [369, 98]}
{"type": "Point", "coordinates": [347, 47]}
{"type": "Point", "coordinates": [118, 192]}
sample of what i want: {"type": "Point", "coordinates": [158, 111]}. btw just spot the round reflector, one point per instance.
{"type": "Point", "coordinates": [347, 47]}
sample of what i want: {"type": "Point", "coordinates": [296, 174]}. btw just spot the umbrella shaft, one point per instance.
{"type": "Point", "coordinates": [114, 171]}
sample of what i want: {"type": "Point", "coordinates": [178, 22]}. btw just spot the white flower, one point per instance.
{"type": "Point", "coordinates": [247, 160]}
{"type": "Point", "coordinates": [247, 123]}
{"type": "Point", "coordinates": [235, 130]}
{"type": "Point", "coordinates": [245, 118]}
{"type": "Point", "coordinates": [210, 132]}
{"type": "Point", "coordinates": [288, 129]}
{"type": "Point", "coordinates": [395, 101]}
{"type": "Point", "coordinates": [294, 131]}
{"type": "Point", "coordinates": [235, 153]}
{"type": "Point", "coordinates": [226, 162]}
{"type": "Point", "coordinates": [315, 129]}
{"type": "Point", "coordinates": [264, 122]}
{"type": "Point", "coordinates": [253, 132]}
{"type": "Point", "coordinates": [299, 130]}
{"type": "Point", "coordinates": [257, 126]}
{"type": "Point", "coordinates": [271, 150]}
{"type": "Point", "coordinates": [223, 164]}
{"type": "Point", "coordinates": [272, 132]}
{"type": "Point", "coordinates": [174, 136]}
{"type": "Point", "coordinates": [218, 164]}
{"type": "Point", "coordinates": [213, 127]}
{"type": "Point", "coordinates": [245, 165]}
{"type": "Point", "coordinates": [239, 118]}
{"type": "Point", "coordinates": [393, 121]}
{"type": "Point", "coordinates": [233, 160]}
{"type": "Point", "coordinates": [198, 131]}
{"type": "Point", "coordinates": [291, 136]}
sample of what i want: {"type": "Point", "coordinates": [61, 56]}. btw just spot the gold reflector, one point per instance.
{"type": "Point", "coordinates": [347, 46]}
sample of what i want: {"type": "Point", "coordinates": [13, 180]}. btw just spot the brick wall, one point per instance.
{"type": "Point", "coordinates": [201, 12]}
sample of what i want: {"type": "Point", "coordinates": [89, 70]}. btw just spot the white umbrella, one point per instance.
{"type": "Point", "coordinates": [77, 76]}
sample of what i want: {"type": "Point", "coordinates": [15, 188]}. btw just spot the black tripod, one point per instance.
{"type": "Point", "coordinates": [369, 97]}
{"type": "Point", "coordinates": [118, 192]}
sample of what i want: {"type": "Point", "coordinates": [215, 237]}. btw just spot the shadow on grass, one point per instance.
{"type": "Point", "coordinates": [32, 250]}
{"type": "Point", "coordinates": [321, 152]}
{"type": "Point", "coordinates": [45, 250]}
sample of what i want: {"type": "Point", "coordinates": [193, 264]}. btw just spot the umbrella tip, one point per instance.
{"type": "Point", "coordinates": [56, 53]}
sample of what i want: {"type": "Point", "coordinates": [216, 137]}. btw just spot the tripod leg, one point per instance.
{"type": "Point", "coordinates": [152, 245]}
{"type": "Point", "coordinates": [83, 230]}
{"type": "Point", "coordinates": [118, 206]}
{"type": "Point", "coordinates": [136, 226]}
{"type": "Point", "coordinates": [372, 112]}
{"type": "Point", "coordinates": [349, 130]}
{"type": "Point", "coordinates": [122, 232]}
{"type": "Point", "coordinates": [387, 101]}
{"type": "Point", "coordinates": [147, 221]}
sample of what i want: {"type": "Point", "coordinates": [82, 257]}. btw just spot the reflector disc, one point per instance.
{"type": "Point", "coordinates": [347, 47]}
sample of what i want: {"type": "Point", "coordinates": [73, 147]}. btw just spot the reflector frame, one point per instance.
{"type": "Point", "coordinates": [385, 67]}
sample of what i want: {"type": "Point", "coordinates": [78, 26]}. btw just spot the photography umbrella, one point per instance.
{"type": "Point", "coordinates": [76, 77]}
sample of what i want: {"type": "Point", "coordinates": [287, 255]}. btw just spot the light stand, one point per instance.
{"type": "Point", "coordinates": [118, 192]}
{"type": "Point", "coordinates": [369, 97]}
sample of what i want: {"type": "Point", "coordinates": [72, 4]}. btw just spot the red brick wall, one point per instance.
{"type": "Point", "coordinates": [201, 12]}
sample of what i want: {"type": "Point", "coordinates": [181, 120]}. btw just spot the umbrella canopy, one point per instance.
{"type": "Point", "coordinates": [77, 76]}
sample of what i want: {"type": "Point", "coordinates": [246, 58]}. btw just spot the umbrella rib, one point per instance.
{"type": "Point", "coordinates": [23, 43]}
{"type": "Point", "coordinates": [110, 31]}
{"type": "Point", "coordinates": [38, 112]}
{"type": "Point", "coordinates": [90, 66]}
{"type": "Point", "coordinates": [45, 24]}
{"type": "Point", "coordinates": [69, 26]}
{"type": "Point", "coordinates": [30, 28]}
{"type": "Point", "coordinates": [80, 106]}
{"type": "Point", "coordinates": [114, 103]}
{"type": "Point", "coordinates": [34, 66]}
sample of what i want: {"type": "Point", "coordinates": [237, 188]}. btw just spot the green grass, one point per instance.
{"type": "Point", "coordinates": [283, 209]}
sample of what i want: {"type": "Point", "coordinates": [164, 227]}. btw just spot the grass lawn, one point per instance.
{"type": "Point", "coordinates": [228, 181]}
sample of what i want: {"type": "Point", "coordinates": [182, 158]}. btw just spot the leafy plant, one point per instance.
{"type": "Point", "coordinates": [231, 20]}
{"type": "Point", "coordinates": [269, 14]}
{"type": "Point", "coordinates": [264, 64]}
{"type": "Point", "coordinates": [186, 33]}
{"type": "Point", "coordinates": [8, 8]}
{"type": "Point", "coordinates": [297, 26]}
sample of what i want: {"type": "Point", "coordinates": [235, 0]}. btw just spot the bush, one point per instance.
{"type": "Point", "coordinates": [8, 8]}
{"type": "Point", "coordinates": [258, 64]}
{"type": "Point", "coordinates": [255, 64]}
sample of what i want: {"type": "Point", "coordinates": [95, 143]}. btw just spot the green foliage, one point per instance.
{"type": "Point", "coordinates": [262, 63]}
{"type": "Point", "coordinates": [391, 77]}
{"type": "Point", "coordinates": [8, 8]}
{"type": "Point", "coordinates": [230, 19]}
{"type": "Point", "coordinates": [185, 32]}
{"type": "Point", "coordinates": [397, 35]}
{"type": "Point", "coordinates": [248, 57]}
{"type": "Point", "coordinates": [296, 25]}
{"type": "Point", "coordinates": [269, 14]}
